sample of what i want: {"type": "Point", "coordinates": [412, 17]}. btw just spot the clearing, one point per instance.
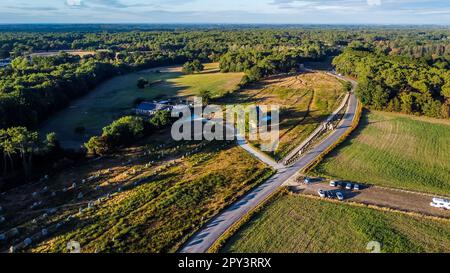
{"type": "Point", "coordinates": [297, 224]}
{"type": "Point", "coordinates": [396, 151]}
{"type": "Point", "coordinates": [116, 97]}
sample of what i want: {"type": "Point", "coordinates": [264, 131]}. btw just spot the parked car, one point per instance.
{"type": "Point", "coordinates": [349, 186]}
{"type": "Point", "coordinates": [334, 183]}
{"type": "Point", "coordinates": [356, 187]}
{"type": "Point", "coordinates": [329, 195]}
{"type": "Point", "coordinates": [340, 196]}
{"type": "Point", "coordinates": [307, 180]}
{"type": "Point", "coordinates": [322, 193]}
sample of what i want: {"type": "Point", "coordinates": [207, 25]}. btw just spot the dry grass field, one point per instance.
{"type": "Point", "coordinates": [305, 100]}
{"type": "Point", "coordinates": [173, 197]}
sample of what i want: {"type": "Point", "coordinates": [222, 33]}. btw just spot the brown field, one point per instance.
{"type": "Point", "coordinates": [305, 100]}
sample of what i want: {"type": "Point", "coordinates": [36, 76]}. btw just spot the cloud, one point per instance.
{"type": "Point", "coordinates": [73, 3]}
{"type": "Point", "coordinates": [374, 2]}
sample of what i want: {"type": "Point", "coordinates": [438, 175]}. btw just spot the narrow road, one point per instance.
{"type": "Point", "coordinates": [214, 229]}
{"type": "Point", "coordinates": [260, 155]}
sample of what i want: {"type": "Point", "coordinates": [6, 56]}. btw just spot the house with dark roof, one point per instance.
{"type": "Point", "coordinates": [150, 108]}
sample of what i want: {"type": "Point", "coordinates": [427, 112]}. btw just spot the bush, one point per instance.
{"type": "Point", "coordinates": [141, 83]}
{"type": "Point", "coordinates": [121, 132]}
{"type": "Point", "coordinates": [192, 67]}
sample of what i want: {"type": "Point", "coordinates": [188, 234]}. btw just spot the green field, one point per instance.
{"type": "Point", "coordinates": [117, 96]}
{"type": "Point", "coordinates": [155, 216]}
{"type": "Point", "coordinates": [394, 150]}
{"type": "Point", "coordinates": [292, 223]}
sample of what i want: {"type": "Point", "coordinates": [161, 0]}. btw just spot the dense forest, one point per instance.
{"type": "Point", "coordinates": [398, 83]}
{"type": "Point", "coordinates": [399, 69]}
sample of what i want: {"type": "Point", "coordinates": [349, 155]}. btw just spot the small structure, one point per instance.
{"type": "Point", "coordinates": [5, 62]}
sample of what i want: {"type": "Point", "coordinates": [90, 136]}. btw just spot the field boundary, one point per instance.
{"type": "Point", "coordinates": [376, 207]}
{"type": "Point", "coordinates": [355, 124]}
{"type": "Point", "coordinates": [215, 248]}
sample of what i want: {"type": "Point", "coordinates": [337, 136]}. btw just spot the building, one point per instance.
{"type": "Point", "coordinates": [150, 108]}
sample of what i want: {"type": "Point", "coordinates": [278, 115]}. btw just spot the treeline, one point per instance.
{"type": "Point", "coordinates": [257, 63]}
{"type": "Point", "coordinates": [33, 89]}
{"type": "Point", "coordinates": [19, 147]}
{"type": "Point", "coordinates": [397, 83]}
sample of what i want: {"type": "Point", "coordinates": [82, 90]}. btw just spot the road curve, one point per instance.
{"type": "Point", "coordinates": [201, 241]}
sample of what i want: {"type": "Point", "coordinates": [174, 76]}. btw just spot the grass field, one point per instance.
{"type": "Point", "coordinates": [304, 99]}
{"type": "Point", "coordinates": [116, 97]}
{"type": "Point", "coordinates": [396, 151]}
{"type": "Point", "coordinates": [292, 223]}
{"type": "Point", "coordinates": [157, 215]}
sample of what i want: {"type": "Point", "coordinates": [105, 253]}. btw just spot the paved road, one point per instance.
{"type": "Point", "coordinates": [213, 230]}
{"type": "Point", "coordinates": [260, 155]}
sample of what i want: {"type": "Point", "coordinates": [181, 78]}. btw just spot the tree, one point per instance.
{"type": "Point", "coordinates": [26, 143]}
{"type": "Point", "coordinates": [51, 142]}
{"type": "Point", "coordinates": [8, 150]}
{"type": "Point", "coordinates": [141, 83]}
{"type": "Point", "coordinates": [206, 95]}
{"type": "Point", "coordinates": [192, 67]}
{"type": "Point", "coordinates": [97, 145]}
{"type": "Point", "coordinates": [160, 119]}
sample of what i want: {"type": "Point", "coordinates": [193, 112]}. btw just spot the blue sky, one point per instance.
{"type": "Point", "coordinates": [227, 11]}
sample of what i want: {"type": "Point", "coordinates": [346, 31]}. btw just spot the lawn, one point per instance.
{"type": "Point", "coordinates": [394, 150]}
{"type": "Point", "coordinates": [292, 223]}
{"type": "Point", "coordinates": [305, 101]}
{"type": "Point", "coordinates": [116, 97]}
{"type": "Point", "coordinates": [174, 200]}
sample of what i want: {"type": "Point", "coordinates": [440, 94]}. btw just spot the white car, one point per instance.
{"type": "Point", "coordinates": [436, 205]}
{"type": "Point", "coordinates": [333, 183]}
{"type": "Point", "coordinates": [340, 196]}
{"type": "Point", "coordinates": [349, 186]}
{"type": "Point", "coordinates": [322, 193]}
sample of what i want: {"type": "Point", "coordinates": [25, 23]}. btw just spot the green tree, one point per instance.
{"type": "Point", "coordinates": [26, 143]}
{"type": "Point", "coordinates": [160, 119]}
{"type": "Point", "coordinates": [206, 95]}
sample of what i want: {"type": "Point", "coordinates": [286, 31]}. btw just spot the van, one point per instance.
{"type": "Point", "coordinates": [440, 203]}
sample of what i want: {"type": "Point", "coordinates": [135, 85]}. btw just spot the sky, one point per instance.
{"type": "Point", "coordinates": [227, 11]}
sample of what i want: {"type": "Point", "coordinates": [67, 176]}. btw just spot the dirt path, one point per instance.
{"type": "Point", "coordinates": [385, 197]}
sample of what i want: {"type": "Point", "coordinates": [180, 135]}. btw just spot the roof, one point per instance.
{"type": "Point", "coordinates": [150, 106]}
{"type": "Point", "coordinates": [146, 106]}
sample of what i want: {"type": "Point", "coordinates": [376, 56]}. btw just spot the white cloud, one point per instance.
{"type": "Point", "coordinates": [374, 2]}
{"type": "Point", "coordinates": [73, 2]}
